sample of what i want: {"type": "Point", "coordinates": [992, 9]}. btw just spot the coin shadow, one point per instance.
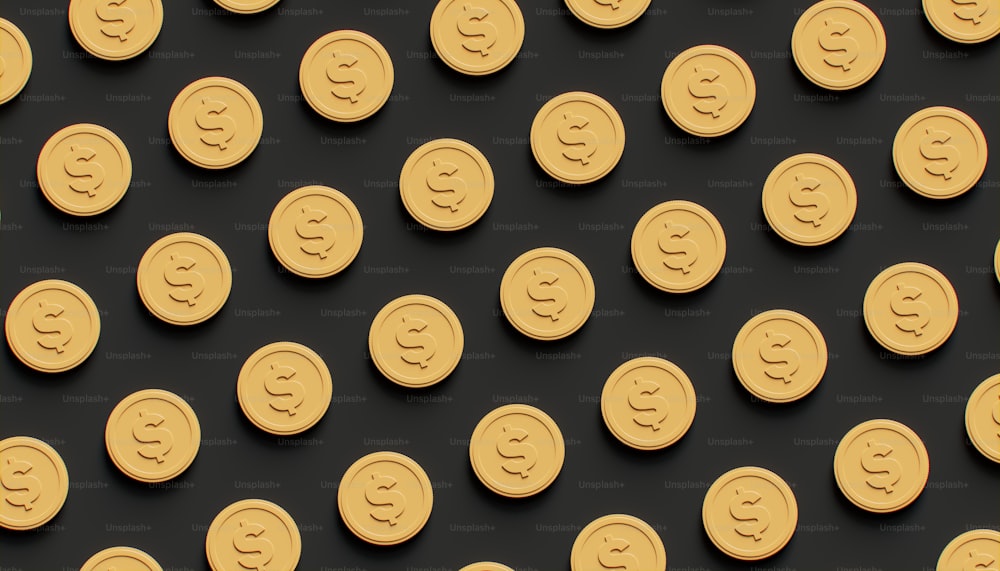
{"type": "Point", "coordinates": [30, 375]}
{"type": "Point", "coordinates": [772, 411]}
{"type": "Point", "coordinates": [546, 182]}
{"type": "Point", "coordinates": [504, 503]}
{"type": "Point", "coordinates": [936, 40]}
{"type": "Point", "coordinates": [703, 145]}
{"type": "Point", "coordinates": [935, 207]}
{"type": "Point", "coordinates": [109, 69]}
{"type": "Point", "coordinates": [417, 232]}
{"type": "Point", "coordinates": [382, 554]}
{"type": "Point", "coordinates": [189, 333]}
{"type": "Point", "coordinates": [829, 97]}
{"type": "Point", "coordinates": [797, 252]}
{"type": "Point", "coordinates": [398, 392]}
{"type": "Point", "coordinates": [327, 285]}
{"type": "Point", "coordinates": [640, 459]}
{"type": "Point", "coordinates": [893, 359]}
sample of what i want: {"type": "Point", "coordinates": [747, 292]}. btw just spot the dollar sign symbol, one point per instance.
{"type": "Point", "coordinates": [612, 554]}
{"type": "Point", "coordinates": [542, 288]}
{"type": "Point", "coordinates": [832, 38]}
{"type": "Point", "coordinates": [422, 345]}
{"type": "Point", "coordinates": [220, 128]}
{"type": "Point", "coordinates": [279, 383]}
{"type": "Point", "coordinates": [55, 331]}
{"type": "Point", "coordinates": [24, 488]}
{"type": "Point", "coordinates": [615, 4]}
{"type": "Point", "coordinates": [571, 132]}
{"type": "Point", "coordinates": [482, 35]}
{"type": "Point", "coordinates": [78, 165]}
{"type": "Point", "coordinates": [914, 315]}
{"type": "Point", "coordinates": [996, 413]}
{"type": "Point", "coordinates": [523, 455]}
{"type": "Point", "coordinates": [743, 508]}
{"type": "Point", "coordinates": [978, 561]}
{"type": "Point", "coordinates": [652, 408]}
{"type": "Point", "coordinates": [318, 238]}
{"type": "Point", "coordinates": [774, 349]}
{"type": "Point", "coordinates": [380, 492]}
{"type": "Point", "coordinates": [257, 551]}
{"type": "Point", "coordinates": [441, 178]}
{"type": "Point", "coordinates": [818, 200]}
{"type": "Point", "coordinates": [350, 80]}
{"type": "Point", "coordinates": [672, 241]}
{"type": "Point", "coordinates": [175, 277]}
{"type": "Point", "coordinates": [885, 471]}
{"type": "Point", "coordinates": [974, 12]}
{"type": "Point", "coordinates": [933, 148]}
{"type": "Point", "coordinates": [702, 85]}
{"type": "Point", "coordinates": [121, 20]}
{"type": "Point", "coordinates": [147, 429]}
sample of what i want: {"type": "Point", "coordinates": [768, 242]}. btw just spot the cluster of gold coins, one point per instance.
{"type": "Point", "coordinates": [547, 293]}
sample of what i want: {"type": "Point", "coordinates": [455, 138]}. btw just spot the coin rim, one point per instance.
{"type": "Point", "coordinates": [770, 188]}
{"type": "Point", "coordinates": [486, 566]}
{"type": "Point", "coordinates": [961, 539]}
{"type": "Point", "coordinates": [255, 8]}
{"type": "Point", "coordinates": [970, 421]}
{"type": "Point", "coordinates": [439, 144]}
{"type": "Point", "coordinates": [117, 455]}
{"type": "Point", "coordinates": [415, 299]}
{"type": "Point", "coordinates": [751, 471]}
{"type": "Point", "coordinates": [618, 519]}
{"type": "Point", "coordinates": [243, 382]}
{"type": "Point", "coordinates": [225, 83]}
{"type": "Point", "coordinates": [578, 97]}
{"type": "Point", "coordinates": [926, 113]}
{"type": "Point", "coordinates": [853, 6]}
{"type": "Point", "coordinates": [391, 457]}
{"type": "Point", "coordinates": [211, 247]}
{"type": "Point", "coordinates": [389, 75]}
{"type": "Point", "coordinates": [691, 208]}
{"type": "Point", "coordinates": [802, 321]}
{"type": "Point", "coordinates": [707, 49]}
{"type": "Point", "coordinates": [121, 551]}
{"type": "Point", "coordinates": [73, 290]}
{"type": "Point", "coordinates": [97, 51]}
{"type": "Point", "coordinates": [26, 60]}
{"type": "Point", "coordinates": [44, 157]}
{"type": "Point", "coordinates": [62, 474]}
{"type": "Point", "coordinates": [277, 247]}
{"type": "Point", "coordinates": [952, 34]}
{"type": "Point", "coordinates": [923, 466]}
{"type": "Point", "coordinates": [670, 368]}
{"type": "Point", "coordinates": [533, 412]}
{"type": "Point", "coordinates": [918, 268]}
{"type": "Point", "coordinates": [604, 23]}
{"type": "Point", "coordinates": [440, 44]}
{"type": "Point", "coordinates": [590, 292]}
{"type": "Point", "coordinates": [249, 504]}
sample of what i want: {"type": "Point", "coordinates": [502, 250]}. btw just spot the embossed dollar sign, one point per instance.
{"type": "Point", "coordinates": [391, 503]}
{"type": "Point", "coordinates": [942, 159]}
{"type": "Point", "coordinates": [581, 143]}
{"type": "Point", "coordinates": [441, 179]}
{"type": "Point", "coordinates": [996, 414]}
{"type": "Point", "coordinates": [673, 241]}
{"type": "Point", "coordinates": [712, 96]}
{"type": "Point", "coordinates": [843, 48]}
{"type": "Point", "coordinates": [523, 455]}
{"type": "Point", "coordinates": [219, 128]}
{"type": "Point", "coordinates": [651, 409]}
{"type": "Point", "coordinates": [774, 349]}
{"type": "Point", "coordinates": [972, 10]}
{"type": "Point", "coordinates": [613, 554]}
{"type": "Point", "coordinates": [756, 518]}
{"type": "Point", "coordinates": [147, 429]}
{"type": "Point", "coordinates": [317, 237]}
{"type": "Point", "coordinates": [288, 392]}
{"type": "Point", "coordinates": [552, 298]}
{"type": "Point", "coordinates": [813, 205]}
{"type": "Point", "coordinates": [23, 488]}
{"type": "Point", "coordinates": [190, 283]}
{"type": "Point", "coordinates": [350, 80]}
{"type": "Point", "coordinates": [979, 561]}
{"type": "Point", "coordinates": [87, 173]}
{"type": "Point", "coordinates": [55, 331]}
{"type": "Point", "coordinates": [410, 335]}
{"type": "Point", "coordinates": [473, 25]}
{"type": "Point", "coordinates": [121, 19]}
{"type": "Point", "coordinates": [885, 471]}
{"type": "Point", "coordinates": [615, 4]}
{"type": "Point", "coordinates": [256, 551]}
{"type": "Point", "coordinates": [913, 314]}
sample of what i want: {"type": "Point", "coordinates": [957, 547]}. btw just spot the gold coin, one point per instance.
{"type": "Point", "coordinates": [246, 6]}
{"type": "Point", "coordinates": [385, 498]}
{"type": "Point", "coordinates": [678, 246]}
{"type": "Point", "coordinates": [477, 37]}
{"type": "Point", "coordinates": [648, 403]}
{"type": "Point", "coordinates": [750, 513]}
{"type": "Point", "coordinates": [416, 340]}
{"type": "Point", "coordinates": [547, 293]}
{"type": "Point", "coordinates": [284, 388]}
{"type": "Point", "coordinates": [315, 231]}
{"type": "Point", "coordinates": [708, 90]}
{"type": "Point", "coordinates": [253, 534]}
{"type": "Point", "coordinates": [779, 355]}
{"type": "Point", "coordinates": [577, 137]}
{"type": "Point", "coordinates": [84, 169]}
{"type": "Point", "coordinates": [607, 13]}
{"type": "Point", "coordinates": [982, 418]}
{"type": "Point", "coordinates": [346, 75]}
{"type": "Point", "coordinates": [881, 466]}
{"type": "Point", "coordinates": [486, 566]}
{"type": "Point", "coordinates": [618, 541]}
{"type": "Point", "coordinates": [15, 60]}
{"type": "Point", "coordinates": [113, 29]}
{"type": "Point", "coordinates": [965, 22]}
{"type": "Point", "coordinates": [910, 308]}
{"type": "Point", "coordinates": [124, 558]}
{"type": "Point", "coordinates": [184, 278]}
{"type": "Point", "coordinates": [517, 450]}
{"type": "Point", "coordinates": [996, 260]}
{"type": "Point", "coordinates": [838, 44]}
{"type": "Point", "coordinates": [52, 326]}
{"type": "Point", "coordinates": [977, 549]}
{"type": "Point", "coordinates": [809, 199]}
{"type": "Point", "coordinates": [215, 122]}
{"type": "Point", "coordinates": [35, 483]}
{"type": "Point", "coordinates": [152, 435]}
{"type": "Point", "coordinates": [446, 184]}
{"type": "Point", "coordinates": [940, 152]}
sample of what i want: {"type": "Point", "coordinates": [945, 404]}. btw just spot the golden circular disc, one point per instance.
{"type": "Point", "coordinates": [477, 37]}
{"type": "Point", "coordinates": [253, 534]}
{"type": "Point", "coordinates": [838, 44]}
{"type": "Point", "coordinates": [678, 246]}
{"type": "Point", "coordinates": [517, 450]}
{"type": "Point", "coordinates": [618, 541]}
{"type": "Point", "coordinates": [976, 549]}
{"type": "Point", "coordinates": [940, 152]}
{"type": "Point", "coordinates": [152, 435]}
{"type": "Point", "coordinates": [779, 355]}
{"type": "Point", "coordinates": [982, 418]}
{"type": "Point", "coordinates": [416, 340]}
{"type": "Point", "coordinates": [215, 122]}
{"type": "Point", "coordinates": [577, 137]}
{"type": "Point", "coordinates": [346, 76]}
{"type": "Point", "coordinates": [84, 169]}
{"type": "Point", "coordinates": [964, 22]}
{"type": "Point", "coordinates": [184, 278]}
{"type": "Point", "coordinates": [114, 30]}
{"type": "Point", "coordinates": [708, 90]}
{"type": "Point", "coordinates": [315, 231]}
{"type": "Point", "coordinates": [385, 498]}
{"type": "Point", "coordinates": [16, 57]}
{"type": "Point", "coordinates": [911, 308]}
{"type": "Point", "coordinates": [52, 326]}
{"type": "Point", "coordinates": [547, 293]}
{"type": "Point", "coordinates": [284, 388]}
{"type": "Point", "coordinates": [446, 184]}
{"type": "Point", "coordinates": [35, 483]}
{"type": "Point", "coordinates": [123, 558]}
{"type": "Point", "coordinates": [607, 14]}
{"type": "Point", "coordinates": [246, 6]}
{"type": "Point", "coordinates": [809, 199]}
{"type": "Point", "coordinates": [750, 513]}
{"type": "Point", "coordinates": [648, 403]}
{"type": "Point", "coordinates": [881, 466]}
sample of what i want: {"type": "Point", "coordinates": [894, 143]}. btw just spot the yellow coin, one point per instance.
{"type": "Point", "coordinates": [246, 6]}
{"type": "Point", "coordinates": [35, 483]}
{"type": "Point", "coordinates": [486, 566]}
{"type": "Point", "coordinates": [708, 90]}
{"type": "Point", "coordinates": [965, 22]}
{"type": "Point", "coordinates": [15, 60]}
{"type": "Point", "coordinates": [940, 152]}
{"type": "Point", "coordinates": [124, 558]}
{"type": "Point", "coordinates": [517, 450]}
{"type": "Point", "coordinates": [996, 260]}
{"type": "Point", "coordinates": [416, 340]}
{"type": "Point", "coordinates": [84, 169]}
{"type": "Point", "coordinates": [982, 418]}
{"type": "Point", "coordinates": [385, 498]}
{"type": "Point", "coordinates": [779, 355]}
{"type": "Point", "coordinates": [618, 541]}
{"type": "Point", "coordinates": [607, 13]}
{"type": "Point", "coordinates": [315, 231]}
{"type": "Point", "coordinates": [215, 122]}
{"type": "Point", "coordinates": [809, 199]}
{"type": "Point", "coordinates": [838, 44]}
{"type": "Point", "coordinates": [577, 137]}
{"type": "Point", "coordinates": [52, 326]}
{"type": "Point", "coordinates": [152, 435]}
{"type": "Point", "coordinates": [547, 293]}
{"type": "Point", "coordinates": [284, 388]}
{"type": "Point", "coordinates": [113, 29]}
{"type": "Point", "coordinates": [648, 403]}
{"type": "Point", "coordinates": [446, 184]}
{"type": "Point", "coordinates": [184, 278]}
{"type": "Point", "coordinates": [910, 308]}
{"type": "Point", "coordinates": [253, 534]}
{"type": "Point", "coordinates": [477, 37]}
{"type": "Point", "coordinates": [750, 513]}
{"type": "Point", "coordinates": [678, 246]}
{"type": "Point", "coordinates": [881, 465]}
{"type": "Point", "coordinates": [346, 75]}
{"type": "Point", "coordinates": [977, 549]}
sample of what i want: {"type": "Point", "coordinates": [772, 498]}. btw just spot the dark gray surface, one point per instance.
{"type": "Point", "coordinates": [564, 378]}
